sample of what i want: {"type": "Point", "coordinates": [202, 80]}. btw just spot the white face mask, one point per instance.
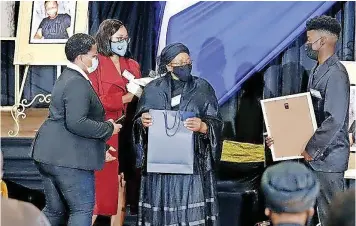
{"type": "Point", "coordinates": [52, 12]}
{"type": "Point", "coordinates": [94, 65]}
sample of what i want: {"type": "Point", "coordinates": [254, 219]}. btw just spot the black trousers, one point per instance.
{"type": "Point", "coordinates": [330, 185]}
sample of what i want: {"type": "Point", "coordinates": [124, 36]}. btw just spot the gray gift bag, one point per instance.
{"type": "Point", "coordinates": [170, 146]}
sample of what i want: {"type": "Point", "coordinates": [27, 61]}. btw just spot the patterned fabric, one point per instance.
{"type": "Point", "coordinates": [168, 200]}
{"type": "Point", "coordinates": [176, 199]}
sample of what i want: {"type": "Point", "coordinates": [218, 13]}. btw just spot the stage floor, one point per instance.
{"type": "Point", "coordinates": [28, 126]}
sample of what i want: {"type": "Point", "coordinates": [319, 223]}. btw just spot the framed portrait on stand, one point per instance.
{"type": "Point", "coordinates": [43, 29]}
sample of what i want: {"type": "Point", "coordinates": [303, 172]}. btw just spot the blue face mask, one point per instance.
{"type": "Point", "coordinates": [119, 48]}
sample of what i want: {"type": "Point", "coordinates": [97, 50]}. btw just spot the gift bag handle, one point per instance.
{"type": "Point", "coordinates": [175, 122]}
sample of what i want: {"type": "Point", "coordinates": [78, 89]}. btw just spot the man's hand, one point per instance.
{"type": "Point", "coordinates": [306, 156]}
{"type": "Point", "coordinates": [269, 141]}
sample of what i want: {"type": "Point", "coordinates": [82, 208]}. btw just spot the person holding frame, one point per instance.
{"type": "Point", "coordinates": [327, 152]}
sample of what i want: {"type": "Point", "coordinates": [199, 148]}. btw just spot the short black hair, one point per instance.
{"type": "Point", "coordinates": [103, 37]}
{"type": "Point", "coordinates": [78, 44]}
{"type": "Point", "coordinates": [324, 23]}
{"type": "Point", "coordinates": [45, 3]}
{"type": "Point", "coordinates": [342, 209]}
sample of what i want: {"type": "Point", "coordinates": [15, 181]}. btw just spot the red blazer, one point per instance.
{"type": "Point", "coordinates": [111, 86]}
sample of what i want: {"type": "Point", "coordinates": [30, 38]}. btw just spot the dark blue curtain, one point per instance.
{"type": "Point", "coordinates": [142, 20]}
{"type": "Point", "coordinates": [287, 74]}
{"type": "Point", "coordinates": [7, 73]}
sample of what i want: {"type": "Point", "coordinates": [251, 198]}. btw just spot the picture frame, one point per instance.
{"type": "Point", "coordinates": [29, 51]}
{"type": "Point", "coordinates": [291, 121]}
{"type": "Point", "coordinates": [55, 30]}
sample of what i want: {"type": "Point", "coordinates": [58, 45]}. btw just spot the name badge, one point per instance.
{"type": "Point", "coordinates": [175, 100]}
{"type": "Point", "coordinates": [315, 93]}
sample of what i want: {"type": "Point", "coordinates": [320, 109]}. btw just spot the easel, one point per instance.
{"type": "Point", "coordinates": [27, 54]}
{"type": "Point", "coordinates": [18, 109]}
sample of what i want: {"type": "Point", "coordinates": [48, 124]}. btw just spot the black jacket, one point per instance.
{"type": "Point", "coordinates": [330, 146]}
{"type": "Point", "coordinates": [75, 132]}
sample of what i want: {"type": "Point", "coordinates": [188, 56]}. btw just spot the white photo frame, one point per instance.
{"type": "Point", "coordinates": [290, 135]}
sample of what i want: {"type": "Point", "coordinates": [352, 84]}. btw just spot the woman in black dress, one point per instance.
{"type": "Point", "coordinates": [177, 199]}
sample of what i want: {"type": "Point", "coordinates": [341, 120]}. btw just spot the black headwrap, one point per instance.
{"type": "Point", "coordinates": [168, 54]}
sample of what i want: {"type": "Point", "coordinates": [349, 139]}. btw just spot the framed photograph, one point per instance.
{"type": "Point", "coordinates": [52, 21]}
{"type": "Point", "coordinates": [44, 28]}
{"type": "Point", "coordinates": [290, 120]}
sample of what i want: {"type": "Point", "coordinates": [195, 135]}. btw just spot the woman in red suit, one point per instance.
{"type": "Point", "coordinates": [110, 85]}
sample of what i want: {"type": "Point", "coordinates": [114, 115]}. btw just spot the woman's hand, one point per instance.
{"type": "Point", "coordinates": [196, 125]}
{"type": "Point", "coordinates": [146, 119]}
{"type": "Point", "coordinates": [127, 98]}
{"type": "Point", "coordinates": [108, 156]}
{"type": "Point", "coordinates": [117, 127]}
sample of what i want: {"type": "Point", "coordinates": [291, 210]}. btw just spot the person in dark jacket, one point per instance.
{"type": "Point", "coordinates": [342, 209]}
{"type": "Point", "coordinates": [328, 150]}
{"type": "Point", "coordinates": [290, 191]}
{"type": "Point", "coordinates": [70, 144]}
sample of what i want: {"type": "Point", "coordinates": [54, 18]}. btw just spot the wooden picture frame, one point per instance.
{"type": "Point", "coordinates": [46, 52]}
{"type": "Point", "coordinates": [290, 120]}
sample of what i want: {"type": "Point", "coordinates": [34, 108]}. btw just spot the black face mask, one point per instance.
{"type": "Point", "coordinates": [312, 54]}
{"type": "Point", "coordinates": [183, 72]}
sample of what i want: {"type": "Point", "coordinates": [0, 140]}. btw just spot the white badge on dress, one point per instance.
{"type": "Point", "coordinates": [315, 93]}
{"type": "Point", "coordinates": [175, 100]}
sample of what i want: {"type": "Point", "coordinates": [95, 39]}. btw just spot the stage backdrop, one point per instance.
{"type": "Point", "coordinates": [237, 39]}
{"type": "Point", "coordinates": [229, 54]}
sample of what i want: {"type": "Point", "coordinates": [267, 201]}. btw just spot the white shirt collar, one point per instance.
{"type": "Point", "coordinates": [76, 68]}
